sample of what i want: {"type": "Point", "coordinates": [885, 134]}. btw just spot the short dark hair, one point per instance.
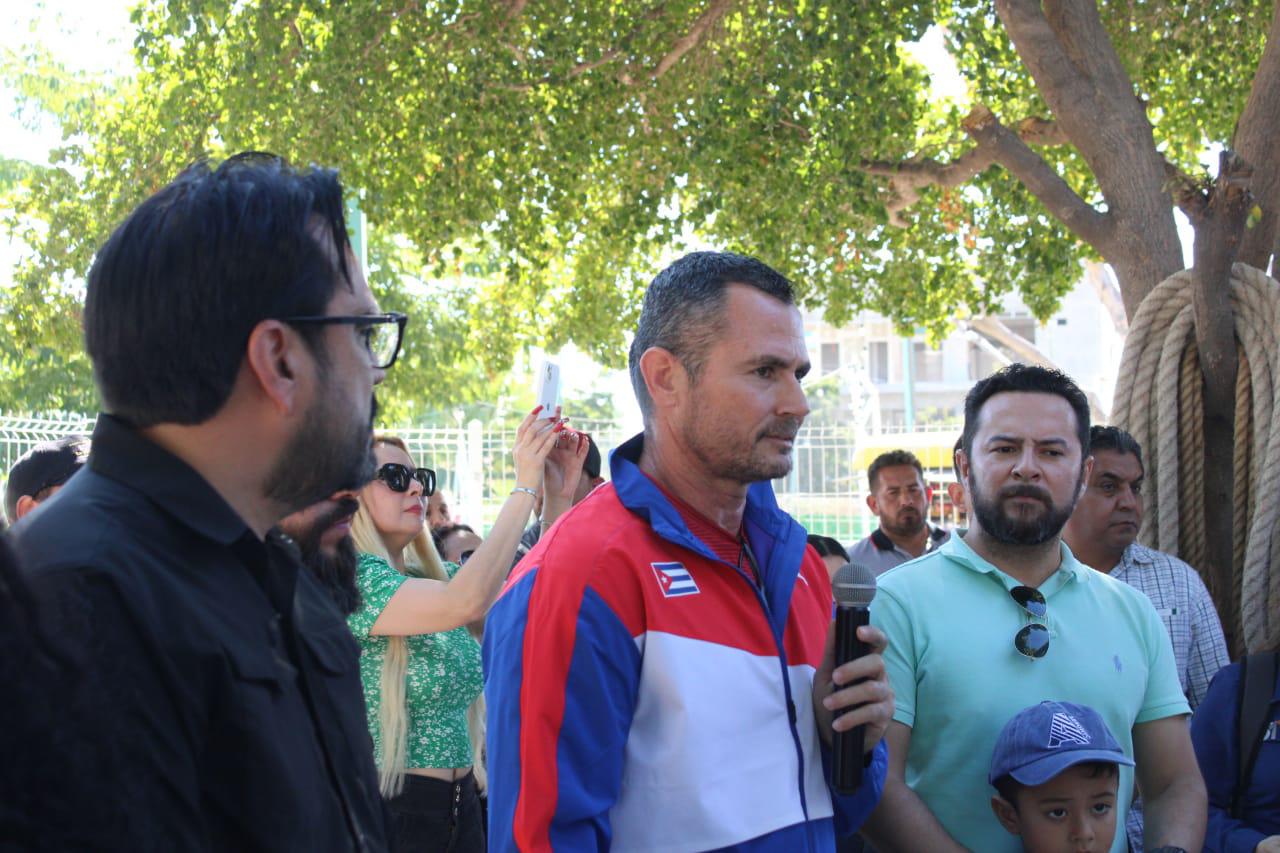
{"type": "Point", "coordinates": [1114, 438]}
{"type": "Point", "coordinates": [178, 287]}
{"type": "Point", "coordinates": [445, 532]}
{"type": "Point", "coordinates": [1026, 378]}
{"type": "Point", "coordinates": [890, 460]}
{"type": "Point", "coordinates": [684, 306]}
{"type": "Point", "coordinates": [1008, 787]}
{"type": "Point", "coordinates": [827, 547]}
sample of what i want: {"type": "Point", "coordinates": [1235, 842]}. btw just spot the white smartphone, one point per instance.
{"type": "Point", "coordinates": [547, 393]}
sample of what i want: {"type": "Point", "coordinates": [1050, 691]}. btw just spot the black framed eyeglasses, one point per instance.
{"type": "Point", "coordinates": [398, 477]}
{"type": "Point", "coordinates": [1033, 639]}
{"type": "Point", "coordinates": [380, 333]}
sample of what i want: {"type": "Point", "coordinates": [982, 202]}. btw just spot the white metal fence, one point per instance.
{"type": "Point", "coordinates": [825, 490]}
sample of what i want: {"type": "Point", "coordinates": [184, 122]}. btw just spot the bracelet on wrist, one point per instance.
{"type": "Point", "coordinates": [530, 492]}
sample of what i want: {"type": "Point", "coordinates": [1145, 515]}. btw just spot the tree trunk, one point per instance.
{"type": "Point", "coordinates": [1219, 226]}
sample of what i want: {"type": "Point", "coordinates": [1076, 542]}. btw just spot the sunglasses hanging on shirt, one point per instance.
{"type": "Point", "coordinates": [1033, 640]}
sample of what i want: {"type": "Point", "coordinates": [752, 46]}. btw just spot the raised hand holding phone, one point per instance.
{"type": "Point", "coordinates": [547, 389]}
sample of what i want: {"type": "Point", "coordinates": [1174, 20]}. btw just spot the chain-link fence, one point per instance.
{"type": "Point", "coordinates": [825, 491]}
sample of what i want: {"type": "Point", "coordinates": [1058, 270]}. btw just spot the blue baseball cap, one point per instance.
{"type": "Point", "coordinates": [1043, 740]}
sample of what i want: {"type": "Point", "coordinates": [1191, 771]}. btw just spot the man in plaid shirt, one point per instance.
{"type": "Point", "coordinates": [1102, 533]}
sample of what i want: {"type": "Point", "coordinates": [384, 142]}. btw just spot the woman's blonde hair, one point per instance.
{"type": "Point", "coordinates": [421, 560]}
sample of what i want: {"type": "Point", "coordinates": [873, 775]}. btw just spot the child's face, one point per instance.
{"type": "Point", "coordinates": [1074, 812]}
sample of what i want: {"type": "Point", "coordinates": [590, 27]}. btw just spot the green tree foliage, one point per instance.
{"type": "Point", "coordinates": [537, 160]}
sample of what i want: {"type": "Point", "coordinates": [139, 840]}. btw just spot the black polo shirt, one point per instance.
{"type": "Point", "coordinates": [236, 679]}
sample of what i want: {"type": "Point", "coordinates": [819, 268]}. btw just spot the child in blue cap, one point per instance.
{"type": "Point", "coordinates": [1055, 770]}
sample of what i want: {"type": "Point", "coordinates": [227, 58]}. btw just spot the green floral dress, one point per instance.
{"type": "Point", "coordinates": [442, 679]}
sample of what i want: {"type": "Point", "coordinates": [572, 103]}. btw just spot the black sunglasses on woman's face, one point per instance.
{"type": "Point", "coordinates": [397, 477]}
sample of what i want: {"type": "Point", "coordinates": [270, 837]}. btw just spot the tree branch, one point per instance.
{"type": "Point", "coordinates": [994, 330]}
{"type": "Point", "coordinates": [997, 144]}
{"type": "Point", "coordinates": [1255, 138]}
{"type": "Point", "coordinates": [1078, 27]}
{"type": "Point", "coordinates": [1066, 88]}
{"type": "Point", "coordinates": [1190, 194]}
{"type": "Point", "coordinates": [693, 38]}
{"type": "Point", "coordinates": [1044, 183]}
{"type": "Point", "coordinates": [1104, 284]}
{"type": "Point", "coordinates": [576, 71]}
{"type": "Point", "coordinates": [908, 178]}
{"type": "Point", "coordinates": [382, 33]}
{"type": "Point", "coordinates": [514, 9]}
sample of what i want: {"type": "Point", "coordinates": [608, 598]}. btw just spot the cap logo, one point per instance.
{"type": "Point", "coordinates": [1064, 728]}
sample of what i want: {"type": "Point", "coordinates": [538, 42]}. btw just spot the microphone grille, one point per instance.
{"type": "Point", "coordinates": [854, 585]}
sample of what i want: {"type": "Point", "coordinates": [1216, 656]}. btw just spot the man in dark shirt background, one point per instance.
{"type": "Point", "coordinates": [322, 533]}
{"type": "Point", "coordinates": [899, 498]}
{"type": "Point", "coordinates": [41, 472]}
{"type": "Point", "coordinates": [236, 346]}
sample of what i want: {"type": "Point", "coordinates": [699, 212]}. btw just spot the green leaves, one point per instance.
{"type": "Point", "coordinates": [525, 175]}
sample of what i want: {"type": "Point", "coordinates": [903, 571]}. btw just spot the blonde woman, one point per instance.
{"type": "Point", "coordinates": [419, 663]}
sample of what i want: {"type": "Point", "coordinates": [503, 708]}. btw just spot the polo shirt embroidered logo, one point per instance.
{"type": "Point", "coordinates": [1065, 728]}
{"type": "Point", "coordinates": [674, 580]}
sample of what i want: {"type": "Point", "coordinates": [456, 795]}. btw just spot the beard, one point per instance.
{"type": "Point", "coordinates": [715, 448]}
{"type": "Point", "coordinates": [329, 453]}
{"type": "Point", "coordinates": [335, 570]}
{"type": "Point", "coordinates": [904, 524]}
{"type": "Point", "coordinates": [1012, 529]}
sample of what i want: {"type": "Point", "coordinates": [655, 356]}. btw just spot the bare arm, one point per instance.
{"type": "Point", "coordinates": [1174, 802]}
{"type": "Point", "coordinates": [902, 823]}
{"type": "Point", "coordinates": [425, 606]}
{"type": "Point", "coordinates": [562, 472]}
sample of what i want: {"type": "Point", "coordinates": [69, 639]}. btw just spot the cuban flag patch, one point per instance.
{"type": "Point", "coordinates": [674, 579]}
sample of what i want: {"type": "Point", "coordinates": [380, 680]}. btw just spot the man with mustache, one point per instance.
{"type": "Point", "coordinates": [322, 533]}
{"type": "Point", "coordinates": [900, 499]}
{"type": "Point", "coordinates": [1103, 533]}
{"type": "Point", "coordinates": [659, 668]}
{"type": "Point", "coordinates": [236, 346]}
{"type": "Point", "coordinates": [1007, 617]}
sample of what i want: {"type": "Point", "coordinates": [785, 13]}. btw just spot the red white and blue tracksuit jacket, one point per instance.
{"type": "Point", "coordinates": [644, 695]}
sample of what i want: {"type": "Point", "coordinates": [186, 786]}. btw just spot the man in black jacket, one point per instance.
{"type": "Point", "coordinates": [236, 346]}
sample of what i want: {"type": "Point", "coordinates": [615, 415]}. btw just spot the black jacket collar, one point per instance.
{"type": "Point", "coordinates": [884, 543]}
{"type": "Point", "coordinates": [121, 453]}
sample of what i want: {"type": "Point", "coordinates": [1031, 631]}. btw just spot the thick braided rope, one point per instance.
{"type": "Point", "coordinates": [1167, 424]}
{"type": "Point", "coordinates": [1136, 383]}
{"type": "Point", "coordinates": [1159, 399]}
{"type": "Point", "coordinates": [1190, 450]}
{"type": "Point", "coordinates": [1245, 475]}
{"type": "Point", "coordinates": [1257, 302]}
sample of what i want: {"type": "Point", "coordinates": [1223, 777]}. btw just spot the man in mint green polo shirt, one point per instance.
{"type": "Point", "coordinates": [1006, 617]}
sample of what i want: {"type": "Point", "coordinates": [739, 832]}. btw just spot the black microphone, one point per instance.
{"type": "Point", "coordinates": [854, 586]}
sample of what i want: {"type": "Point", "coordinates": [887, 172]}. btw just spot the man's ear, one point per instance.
{"type": "Point", "coordinates": [664, 377]}
{"type": "Point", "coordinates": [962, 466]}
{"type": "Point", "coordinates": [1006, 814]}
{"type": "Point", "coordinates": [873, 504]}
{"type": "Point", "coordinates": [275, 361]}
{"type": "Point", "coordinates": [25, 504]}
{"type": "Point", "coordinates": [1088, 475]}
